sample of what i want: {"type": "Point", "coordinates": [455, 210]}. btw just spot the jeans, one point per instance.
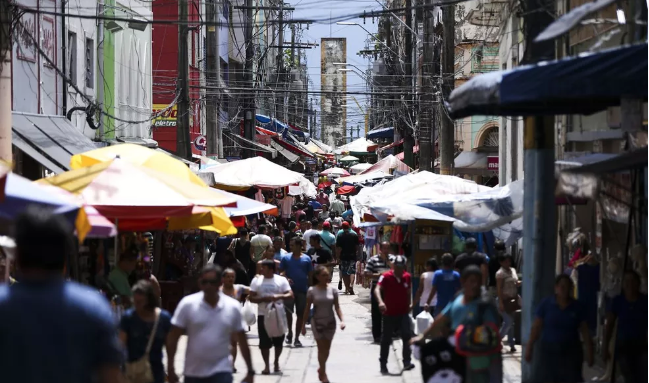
{"type": "Point", "coordinates": [507, 328]}
{"type": "Point", "coordinates": [377, 317]}
{"type": "Point", "coordinates": [219, 377]}
{"type": "Point", "coordinates": [390, 324]}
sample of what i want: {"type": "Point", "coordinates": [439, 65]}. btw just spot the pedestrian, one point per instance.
{"type": "Point", "coordinates": [471, 307]}
{"type": "Point", "coordinates": [290, 234]}
{"type": "Point", "coordinates": [210, 319]}
{"type": "Point", "coordinates": [298, 269]}
{"type": "Point", "coordinates": [310, 230]}
{"type": "Point", "coordinates": [347, 249]}
{"type": "Point", "coordinates": [393, 293]}
{"type": "Point", "coordinates": [118, 279]}
{"type": "Point", "coordinates": [45, 320]}
{"type": "Point", "coordinates": [269, 288]}
{"type": "Point", "coordinates": [259, 243]}
{"type": "Point", "coordinates": [425, 287]}
{"type": "Point", "coordinates": [508, 299]}
{"type": "Point", "coordinates": [230, 262]}
{"type": "Point", "coordinates": [144, 328]}
{"type": "Point", "coordinates": [375, 267]}
{"type": "Point", "coordinates": [324, 214]}
{"type": "Point", "coordinates": [328, 242]}
{"type": "Point", "coordinates": [278, 246]}
{"type": "Point", "coordinates": [323, 323]}
{"type": "Point", "coordinates": [446, 284]}
{"type": "Point", "coordinates": [269, 254]}
{"type": "Point", "coordinates": [559, 322]}
{"type": "Point", "coordinates": [472, 256]}
{"type": "Point", "coordinates": [239, 293]}
{"type": "Point", "coordinates": [319, 255]}
{"type": "Point", "coordinates": [629, 309]}
{"type": "Point", "coordinates": [337, 206]}
{"type": "Point", "coordinates": [241, 248]}
{"type": "Point", "coordinates": [494, 266]}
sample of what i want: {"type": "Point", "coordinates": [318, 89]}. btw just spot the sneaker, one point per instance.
{"type": "Point", "coordinates": [297, 343]}
{"type": "Point", "coordinates": [289, 339]}
{"type": "Point", "coordinates": [512, 349]}
{"type": "Point", "coordinates": [408, 366]}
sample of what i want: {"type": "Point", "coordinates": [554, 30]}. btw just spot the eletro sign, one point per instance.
{"type": "Point", "coordinates": [167, 117]}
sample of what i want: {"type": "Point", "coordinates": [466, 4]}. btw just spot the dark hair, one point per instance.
{"type": "Point", "coordinates": [499, 245]}
{"type": "Point", "coordinates": [145, 288]}
{"type": "Point", "coordinates": [43, 239]}
{"type": "Point", "coordinates": [471, 242]}
{"type": "Point", "coordinates": [315, 237]}
{"type": "Point", "coordinates": [291, 225]}
{"type": "Point", "coordinates": [503, 256]}
{"type": "Point", "coordinates": [317, 271]}
{"type": "Point", "coordinates": [212, 268]}
{"type": "Point", "coordinates": [296, 239]}
{"type": "Point", "coordinates": [294, 207]}
{"type": "Point", "coordinates": [447, 260]}
{"type": "Point", "coordinates": [261, 229]}
{"type": "Point", "coordinates": [470, 271]}
{"type": "Point", "coordinates": [278, 239]}
{"type": "Point", "coordinates": [243, 231]}
{"type": "Point", "coordinates": [561, 277]}
{"type": "Point", "coordinates": [432, 263]}
{"type": "Point", "coordinates": [270, 263]}
{"type": "Point", "coordinates": [228, 270]}
{"type": "Point", "coordinates": [314, 222]}
{"type": "Point", "coordinates": [276, 232]}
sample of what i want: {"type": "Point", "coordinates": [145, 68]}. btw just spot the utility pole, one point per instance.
{"type": "Point", "coordinates": [211, 109]}
{"type": "Point", "coordinates": [183, 148]}
{"type": "Point", "coordinates": [5, 81]}
{"type": "Point", "coordinates": [280, 63]}
{"type": "Point", "coordinates": [100, 65]}
{"type": "Point", "coordinates": [407, 131]}
{"type": "Point", "coordinates": [447, 131]}
{"type": "Point", "coordinates": [539, 220]}
{"type": "Point", "coordinates": [249, 114]}
{"type": "Point", "coordinates": [426, 110]}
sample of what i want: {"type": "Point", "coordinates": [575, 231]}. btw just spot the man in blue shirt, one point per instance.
{"type": "Point", "coordinates": [298, 269]}
{"type": "Point", "coordinates": [446, 283]}
{"type": "Point", "coordinates": [53, 330]}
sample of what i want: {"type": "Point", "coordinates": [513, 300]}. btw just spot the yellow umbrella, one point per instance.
{"type": "Point", "coordinates": [138, 155]}
{"type": "Point", "coordinates": [204, 218]}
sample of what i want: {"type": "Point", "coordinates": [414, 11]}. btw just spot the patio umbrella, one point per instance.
{"type": "Point", "coordinates": [348, 159]}
{"type": "Point", "coordinates": [335, 172]}
{"type": "Point", "coordinates": [21, 192]}
{"type": "Point", "coordinates": [138, 155]}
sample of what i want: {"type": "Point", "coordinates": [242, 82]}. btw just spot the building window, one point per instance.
{"type": "Point", "coordinates": [90, 63]}
{"type": "Point", "coordinates": [72, 58]}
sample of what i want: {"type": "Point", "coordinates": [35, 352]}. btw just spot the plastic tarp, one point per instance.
{"type": "Point", "coordinates": [389, 164]}
{"type": "Point", "coordinates": [247, 206]}
{"type": "Point", "coordinates": [361, 145]}
{"type": "Point", "coordinates": [387, 132]}
{"type": "Point", "coordinates": [256, 171]}
{"type": "Point", "coordinates": [359, 168]}
{"type": "Point", "coordinates": [556, 87]}
{"type": "Point", "coordinates": [361, 178]}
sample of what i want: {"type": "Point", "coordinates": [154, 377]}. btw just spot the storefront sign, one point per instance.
{"type": "Point", "coordinates": [200, 143]}
{"type": "Point", "coordinates": [262, 139]}
{"type": "Point", "coordinates": [166, 116]}
{"type": "Point", "coordinates": [493, 163]}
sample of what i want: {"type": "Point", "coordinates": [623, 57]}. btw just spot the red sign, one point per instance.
{"type": "Point", "coordinates": [492, 163]}
{"type": "Point", "coordinates": [264, 140]}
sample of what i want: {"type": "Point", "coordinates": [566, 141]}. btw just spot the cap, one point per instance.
{"type": "Point", "coordinates": [345, 225]}
{"type": "Point", "coordinates": [326, 225]}
{"type": "Point", "coordinates": [400, 260]}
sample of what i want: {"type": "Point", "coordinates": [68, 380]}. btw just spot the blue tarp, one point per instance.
{"type": "Point", "coordinates": [381, 133]}
{"type": "Point", "coordinates": [584, 84]}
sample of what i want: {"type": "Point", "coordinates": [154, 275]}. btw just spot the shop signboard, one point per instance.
{"type": "Point", "coordinates": [493, 163]}
{"type": "Point", "coordinates": [167, 116]}
{"type": "Point", "coordinates": [200, 143]}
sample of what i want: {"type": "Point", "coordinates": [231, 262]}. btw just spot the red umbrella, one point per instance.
{"type": "Point", "coordinates": [345, 189]}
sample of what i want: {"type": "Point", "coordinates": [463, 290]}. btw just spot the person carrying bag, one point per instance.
{"type": "Point", "coordinates": [140, 370]}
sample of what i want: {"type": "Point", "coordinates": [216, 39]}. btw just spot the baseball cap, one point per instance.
{"type": "Point", "coordinates": [326, 225]}
{"type": "Point", "coordinates": [400, 260]}
{"type": "Point", "coordinates": [345, 225]}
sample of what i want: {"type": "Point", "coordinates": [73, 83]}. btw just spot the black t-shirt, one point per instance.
{"type": "Point", "coordinates": [440, 363]}
{"type": "Point", "coordinates": [467, 259]}
{"type": "Point", "coordinates": [320, 256]}
{"type": "Point", "coordinates": [348, 242]}
{"type": "Point", "coordinates": [242, 253]}
{"type": "Point", "coordinates": [287, 239]}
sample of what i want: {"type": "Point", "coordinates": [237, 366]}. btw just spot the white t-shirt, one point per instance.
{"type": "Point", "coordinates": [427, 280]}
{"type": "Point", "coordinates": [266, 287]}
{"type": "Point", "coordinates": [259, 243]}
{"type": "Point", "coordinates": [307, 235]}
{"type": "Point", "coordinates": [208, 329]}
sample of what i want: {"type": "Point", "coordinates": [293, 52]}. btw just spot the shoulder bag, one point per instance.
{"type": "Point", "coordinates": [140, 370]}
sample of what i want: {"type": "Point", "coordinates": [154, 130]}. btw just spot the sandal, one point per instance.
{"type": "Point", "coordinates": [277, 369]}
{"type": "Point", "coordinates": [265, 372]}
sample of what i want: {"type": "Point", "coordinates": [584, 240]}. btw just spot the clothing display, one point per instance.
{"type": "Point", "coordinates": [286, 206]}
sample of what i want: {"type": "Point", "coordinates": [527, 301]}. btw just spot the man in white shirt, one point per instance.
{"type": "Point", "coordinates": [264, 290]}
{"type": "Point", "coordinates": [209, 319]}
{"type": "Point", "coordinates": [259, 243]}
{"type": "Point", "coordinates": [337, 206]}
{"type": "Point", "coordinates": [309, 232]}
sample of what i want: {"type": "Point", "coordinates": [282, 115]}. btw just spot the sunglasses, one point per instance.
{"type": "Point", "coordinates": [213, 282]}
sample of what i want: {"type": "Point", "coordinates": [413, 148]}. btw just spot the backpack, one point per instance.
{"type": "Point", "coordinates": [477, 338]}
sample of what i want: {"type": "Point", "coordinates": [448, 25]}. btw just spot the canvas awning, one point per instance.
{"type": "Point", "coordinates": [48, 139]}
{"type": "Point", "coordinates": [387, 132]}
{"type": "Point", "coordinates": [284, 152]}
{"type": "Point", "coordinates": [255, 145]}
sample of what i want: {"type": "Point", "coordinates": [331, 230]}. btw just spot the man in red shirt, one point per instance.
{"type": "Point", "coordinates": [394, 296]}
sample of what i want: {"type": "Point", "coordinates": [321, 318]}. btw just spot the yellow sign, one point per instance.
{"type": "Point", "coordinates": [167, 116]}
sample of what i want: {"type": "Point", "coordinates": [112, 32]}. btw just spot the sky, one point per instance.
{"type": "Point", "coordinates": [356, 39]}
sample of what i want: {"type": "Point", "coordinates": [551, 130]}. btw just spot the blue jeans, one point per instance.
{"type": "Point", "coordinates": [219, 377]}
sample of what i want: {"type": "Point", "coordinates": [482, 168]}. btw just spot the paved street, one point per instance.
{"type": "Point", "coordinates": [353, 356]}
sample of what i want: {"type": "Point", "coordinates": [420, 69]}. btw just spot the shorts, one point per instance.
{"type": "Point", "coordinates": [296, 305]}
{"type": "Point", "coordinates": [266, 342]}
{"type": "Point", "coordinates": [348, 267]}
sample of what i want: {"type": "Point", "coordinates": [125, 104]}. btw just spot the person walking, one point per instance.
{"type": "Point", "coordinates": [446, 284]}
{"type": "Point", "coordinates": [118, 278]}
{"type": "Point", "coordinates": [144, 328]}
{"type": "Point", "coordinates": [375, 267]}
{"type": "Point", "coordinates": [472, 256]}
{"type": "Point", "coordinates": [425, 287]}
{"type": "Point", "coordinates": [318, 254]}
{"type": "Point", "coordinates": [328, 242]}
{"type": "Point", "coordinates": [347, 249]}
{"type": "Point", "coordinates": [269, 254]}
{"type": "Point", "coordinates": [210, 319]}
{"type": "Point", "coordinates": [393, 294]}
{"type": "Point", "coordinates": [266, 289]}
{"type": "Point", "coordinates": [298, 269]}
{"type": "Point", "coordinates": [337, 206]}
{"type": "Point", "coordinates": [259, 243]}
{"type": "Point", "coordinates": [241, 248]}
{"type": "Point", "coordinates": [323, 324]}
{"type": "Point", "coordinates": [45, 319]}
{"type": "Point", "coordinates": [629, 309]}
{"type": "Point", "coordinates": [559, 323]}
{"type": "Point", "coordinates": [239, 293]}
{"type": "Point", "coordinates": [508, 299]}
{"type": "Point", "coordinates": [310, 230]}
{"type": "Point", "coordinates": [278, 246]}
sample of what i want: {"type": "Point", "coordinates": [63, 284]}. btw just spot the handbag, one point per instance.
{"type": "Point", "coordinates": [512, 305]}
{"type": "Point", "coordinates": [140, 370]}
